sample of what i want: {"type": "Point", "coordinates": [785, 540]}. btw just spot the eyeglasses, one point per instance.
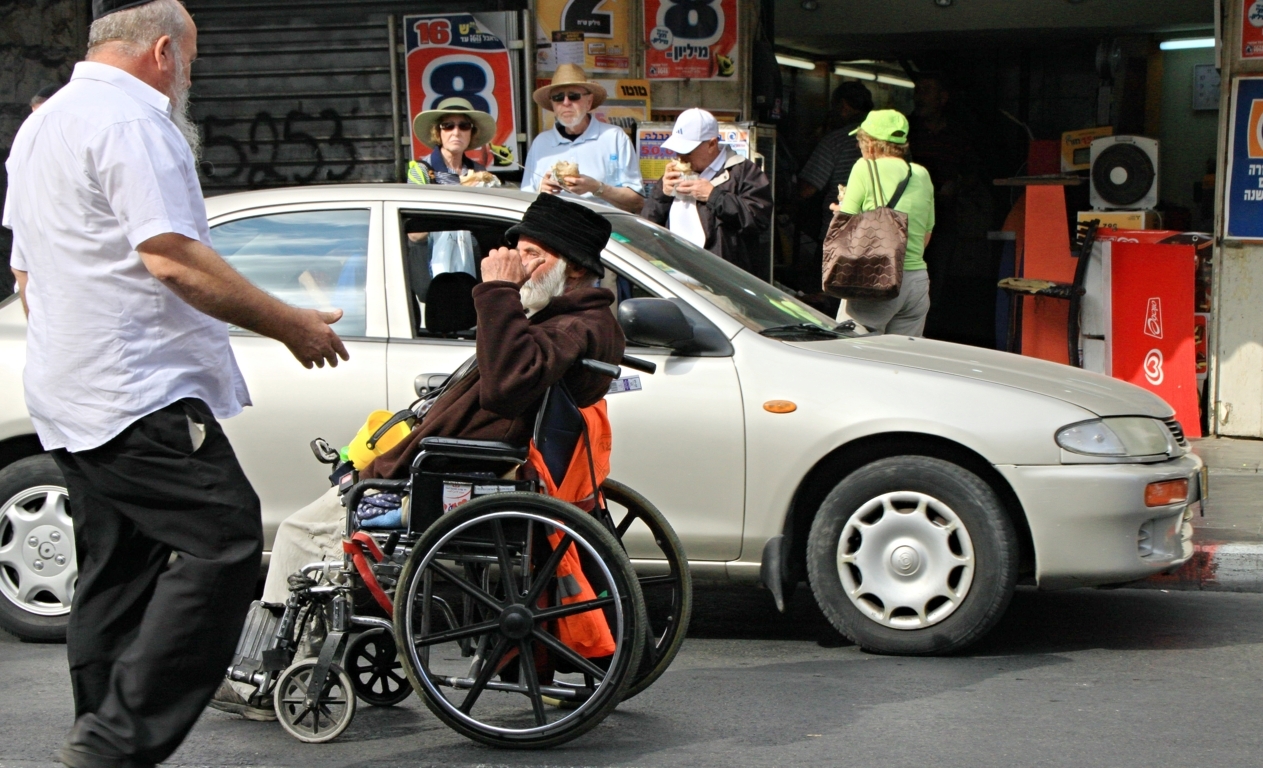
{"type": "Point", "coordinates": [454, 126]}
{"type": "Point", "coordinates": [557, 98]}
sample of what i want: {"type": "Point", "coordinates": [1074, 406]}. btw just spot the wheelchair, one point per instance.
{"type": "Point", "coordinates": [518, 618]}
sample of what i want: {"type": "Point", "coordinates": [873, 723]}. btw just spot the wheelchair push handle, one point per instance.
{"type": "Point", "coordinates": [614, 371]}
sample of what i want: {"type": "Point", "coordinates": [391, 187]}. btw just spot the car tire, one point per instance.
{"type": "Point", "coordinates": [912, 555]}
{"type": "Point", "coordinates": [33, 508]}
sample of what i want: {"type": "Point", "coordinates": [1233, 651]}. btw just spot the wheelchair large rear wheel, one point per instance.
{"type": "Point", "coordinates": [668, 588]}
{"type": "Point", "coordinates": [477, 619]}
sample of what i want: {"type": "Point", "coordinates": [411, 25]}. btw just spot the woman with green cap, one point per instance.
{"type": "Point", "coordinates": [883, 140]}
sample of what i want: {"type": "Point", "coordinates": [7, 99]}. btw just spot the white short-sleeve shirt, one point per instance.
{"type": "Point", "coordinates": [602, 151]}
{"type": "Point", "coordinates": [96, 171]}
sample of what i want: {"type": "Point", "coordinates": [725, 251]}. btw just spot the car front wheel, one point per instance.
{"type": "Point", "coordinates": [38, 569]}
{"type": "Point", "coordinates": [912, 555]}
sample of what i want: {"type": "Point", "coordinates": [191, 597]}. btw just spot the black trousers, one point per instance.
{"type": "Point", "coordinates": [150, 635]}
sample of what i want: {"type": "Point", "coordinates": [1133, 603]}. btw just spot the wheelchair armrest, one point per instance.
{"type": "Point", "coordinates": [473, 449]}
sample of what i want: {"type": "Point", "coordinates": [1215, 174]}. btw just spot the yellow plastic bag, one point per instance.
{"type": "Point", "coordinates": [358, 451]}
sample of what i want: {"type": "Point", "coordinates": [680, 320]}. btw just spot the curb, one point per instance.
{"type": "Point", "coordinates": [1215, 566]}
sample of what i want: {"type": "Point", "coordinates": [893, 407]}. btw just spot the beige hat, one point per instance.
{"type": "Point", "coordinates": [455, 105]}
{"type": "Point", "coordinates": [569, 74]}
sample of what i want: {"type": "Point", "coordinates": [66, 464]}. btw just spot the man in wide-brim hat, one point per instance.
{"type": "Point", "coordinates": [609, 168]}
{"type": "Point", "coordinates": [539, 311]}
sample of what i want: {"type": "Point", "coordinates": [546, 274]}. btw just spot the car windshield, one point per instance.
{"type": "Point", "coordinates": [754, 303]}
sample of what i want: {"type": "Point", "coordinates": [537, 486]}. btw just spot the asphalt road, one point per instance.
{"type": "Point", "coordinates": [1082, 678]}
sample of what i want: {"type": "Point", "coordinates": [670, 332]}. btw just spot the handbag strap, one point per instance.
{"type": "Point", "coordinates": [874, 178]}
{"type": "Point", "coordinates": [902, 186]}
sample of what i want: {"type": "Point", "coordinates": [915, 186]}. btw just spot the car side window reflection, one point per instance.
{"type": "Point", "coordinates": [311, 259]}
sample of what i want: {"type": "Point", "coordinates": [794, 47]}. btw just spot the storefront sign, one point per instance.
{"type": "Point", "coordinates": [1244, 190]}
{"type": "Point", "coordinates": [694, 39]}
{"type": "Point", "coordinates": [1252, 30]}
{"type": "Point", "coordinates": [591, 33]}
{"type": "Point", "coordinates": [653, 158]}
{"type": "Point", "coordinates": [458, 55]}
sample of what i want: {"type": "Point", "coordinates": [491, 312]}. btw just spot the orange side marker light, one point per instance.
{"type": "Point", "coordinates": [1166, 492]}
{"type": "Point", "coordinates": [779, 406]}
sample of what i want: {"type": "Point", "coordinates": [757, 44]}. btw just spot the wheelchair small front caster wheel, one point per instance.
{"type": "Point", "coordinates": [375, 669]}
{"type": "Point", "coordinates": [328, 717]}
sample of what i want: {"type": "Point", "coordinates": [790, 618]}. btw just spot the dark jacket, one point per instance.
{"type": "Point", "coordinates": [739, 209]}
{"type": "Point", "coordinates": [518, 359]}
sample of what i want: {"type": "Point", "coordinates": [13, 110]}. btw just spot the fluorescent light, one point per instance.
{"type": "Point", "coordinates": [794, 61]}
{"type": "Point", "coordinates": [859, 74]}
{"type": "Point", "coordinates": [1187, 42]}
{"type": "Point", "coordinates": [899, 81]}
{"type": "Point", "coordinates": [863, 74]}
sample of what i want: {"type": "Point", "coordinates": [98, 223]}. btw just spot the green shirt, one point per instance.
{"type": "Point", "coordinates": [917, 201]}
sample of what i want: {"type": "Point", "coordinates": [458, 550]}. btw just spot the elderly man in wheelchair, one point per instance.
{"type": "Point", "coordinates": [479, 555]}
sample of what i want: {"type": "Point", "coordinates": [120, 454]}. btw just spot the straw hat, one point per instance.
{"type": "Point", "coordinates": [569, 74]}
{"type": "Point", "coordinates": [455, 105]}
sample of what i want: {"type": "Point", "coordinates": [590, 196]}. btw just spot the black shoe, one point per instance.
{"type": "Point", "coordinates": [226, 699]}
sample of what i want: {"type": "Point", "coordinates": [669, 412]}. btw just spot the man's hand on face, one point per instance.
{"type": "Point", "coordinates": [506, 264]}
{"type": "Point", "coordinates": [700, 189]}
{"type": "Point", "coordinates": [549, 185]}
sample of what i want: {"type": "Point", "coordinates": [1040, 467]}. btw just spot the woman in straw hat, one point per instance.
{"type": "Point", "coordinates": [452, 128]}
{"type": "Point", "coordinates": [607, 165]}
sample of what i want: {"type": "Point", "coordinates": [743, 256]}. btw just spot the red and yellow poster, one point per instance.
{"type": "Point", "coordinates": [456, 55]}
{"type": "Point", "coordinates": [595, 34]}
{"type": "Point", "coordinates": [1252, 30]}
{"type": "Point", "coordinates": [691, 39]}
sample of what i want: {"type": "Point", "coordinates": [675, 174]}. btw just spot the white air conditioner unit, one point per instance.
{"type": "Point", "coordinates": [1124, 173]}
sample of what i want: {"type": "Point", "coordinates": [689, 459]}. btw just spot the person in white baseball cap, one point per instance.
{"type": "Point", "coordinates": [712, 196]}
{"type": "Point", "coordinates": [692, 127]}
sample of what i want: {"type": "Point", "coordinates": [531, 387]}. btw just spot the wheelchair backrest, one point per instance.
{"type": "Point", "coordinates": [558, 429]}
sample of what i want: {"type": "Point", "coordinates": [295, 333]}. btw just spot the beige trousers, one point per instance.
{"type": "Point", "coordinates": [310, 535]}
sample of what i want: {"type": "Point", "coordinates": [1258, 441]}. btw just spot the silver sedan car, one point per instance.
{"type": "Point", "coordinates": [912, 483]}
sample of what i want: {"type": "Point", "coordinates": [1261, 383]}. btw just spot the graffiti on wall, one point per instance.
{"type": "Point", "coordinates": [296, 149]}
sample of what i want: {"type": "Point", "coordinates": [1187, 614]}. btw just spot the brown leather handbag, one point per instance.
{"type": "Point", "coordinates": [863, 252]}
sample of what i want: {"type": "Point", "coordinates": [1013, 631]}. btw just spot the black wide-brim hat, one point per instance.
{"type": "Point", "coordinates": [574, 232]}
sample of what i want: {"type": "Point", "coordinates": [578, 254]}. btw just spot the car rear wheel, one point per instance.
{"type": "Point", "coordinates": [38, 569]}
{"type": "Point", "coordinates": [912, 555]}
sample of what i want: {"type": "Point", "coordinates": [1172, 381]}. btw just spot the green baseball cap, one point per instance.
{"type": "Point", "coordinates": [886, 125]}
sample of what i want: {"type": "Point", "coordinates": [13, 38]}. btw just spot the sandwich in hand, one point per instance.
{"type": "Point", "coordinates": [563, 169]}
{"type": "Point", "coordinates": [479, 179]}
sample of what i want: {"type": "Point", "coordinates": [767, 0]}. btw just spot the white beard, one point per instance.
{"type": "Point", "coordinates": [180, 112]}
{"type": "Point", "coordinates": [573, 123]}
{"type": "Point", "coordinates": [542, 288]}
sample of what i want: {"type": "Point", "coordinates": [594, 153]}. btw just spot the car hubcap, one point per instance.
{"type": "Point", "coordinates": [37, 551]}
{"type": "Point", "coordinates": [905, 560]}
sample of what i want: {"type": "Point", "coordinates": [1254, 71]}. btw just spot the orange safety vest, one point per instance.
{"type": "Point", "coordinates": [587, 633]}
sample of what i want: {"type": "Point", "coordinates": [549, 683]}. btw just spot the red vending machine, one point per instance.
{"type": "Point", "coordinates": [1138, 320]}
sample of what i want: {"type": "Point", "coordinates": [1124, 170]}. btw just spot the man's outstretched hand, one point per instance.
{"type": "Point", "coordinates": [506, 264]}
{"type": "Point", "coordinates": [312, 341]}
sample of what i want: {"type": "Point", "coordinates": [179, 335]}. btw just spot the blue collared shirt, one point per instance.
{"type": "Point", "coordinates": [603, 152]}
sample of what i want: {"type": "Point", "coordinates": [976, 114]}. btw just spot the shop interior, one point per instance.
{"type": "Point", "coordinates": [998, 85]}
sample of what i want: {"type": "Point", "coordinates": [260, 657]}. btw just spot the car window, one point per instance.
{"type": "Point", "coordinates": [442, 256]}
{"type": "Point", "coordinates": [749, 300]}
{"type": "Point", "coordinates": [311, 259]}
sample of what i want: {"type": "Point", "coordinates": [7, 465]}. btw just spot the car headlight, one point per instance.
{"type": "Point", "coordinates": [1116, 437]}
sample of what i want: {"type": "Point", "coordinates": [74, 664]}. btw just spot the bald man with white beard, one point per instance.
{"type": "Point", "coordinates": [128, 370]}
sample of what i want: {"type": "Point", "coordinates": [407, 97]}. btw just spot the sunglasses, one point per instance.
{"type": "Point", "coordinates": [454, 126]}
{"type": "Point", "coordinates": [557, 98]}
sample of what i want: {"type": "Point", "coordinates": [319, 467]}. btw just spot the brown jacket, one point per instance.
{"type": "Point", "coordinates": [518, 359]}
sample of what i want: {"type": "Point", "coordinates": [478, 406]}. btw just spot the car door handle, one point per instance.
{"type": "Point", "coordinates": [426, 383]}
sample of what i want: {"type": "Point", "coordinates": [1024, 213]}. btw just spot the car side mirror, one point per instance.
{"type": "Point", "coordinates": [654, 323]}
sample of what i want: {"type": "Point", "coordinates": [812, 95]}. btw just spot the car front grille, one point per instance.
{"type": "Point", "coordinates": [1177, 432]}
